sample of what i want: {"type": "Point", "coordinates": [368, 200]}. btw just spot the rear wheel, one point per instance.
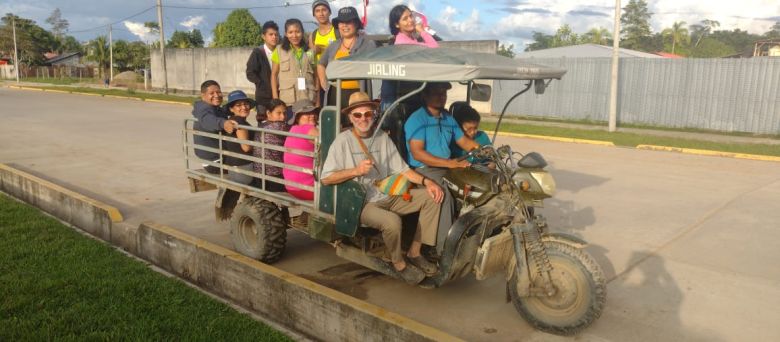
{"type": "Point", "coordinates": [258, 230]}
{"type": "Point", "coordinates": [580, 295]}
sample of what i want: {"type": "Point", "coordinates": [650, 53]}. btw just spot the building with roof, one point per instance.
{"type": "Point", "coordinates": [668, 55]}
{"type": "Point", "coordinates": [584, 51]}
{"type": "Point", "coordinates": [67, 59]}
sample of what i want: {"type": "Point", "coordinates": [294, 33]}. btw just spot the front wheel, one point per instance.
{"type": "Point", "coordinates": [581, 292]}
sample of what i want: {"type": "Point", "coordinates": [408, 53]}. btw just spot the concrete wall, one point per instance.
{"type": "Point", "coordinates": [188, 68]}
{"type": "Point", "coordinates": [7, 72]}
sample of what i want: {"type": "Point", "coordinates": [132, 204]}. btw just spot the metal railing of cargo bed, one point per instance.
{"type": "Point", "coordinates": [220, 179]}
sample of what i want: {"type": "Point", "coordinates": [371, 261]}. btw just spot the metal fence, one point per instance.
{"type": "Point", "coordinates": [730, 95]}
{"type": "Point", "coordinates": [46, 72]}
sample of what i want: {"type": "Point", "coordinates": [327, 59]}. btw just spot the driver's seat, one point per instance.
{"type": "Point", "coordinates": [394, 124]}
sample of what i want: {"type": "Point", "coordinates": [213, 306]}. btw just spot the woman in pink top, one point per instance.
{"type": "Point", "coordinates": [304, 121]}
{"type": "Point", "coordinates": [406, 30]}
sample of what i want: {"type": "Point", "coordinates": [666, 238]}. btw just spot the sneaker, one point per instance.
{"type": "Point", "coordinates": [411, 274]}
{"type": "Point", "coordinates": [426, 266]}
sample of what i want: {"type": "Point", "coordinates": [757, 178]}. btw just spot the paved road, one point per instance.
{"type": "Point", "coordinates": [690, 243]}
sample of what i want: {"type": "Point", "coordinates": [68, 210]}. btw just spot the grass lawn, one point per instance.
{"type": "Point", "coordinates": [57, 80]}
{"type": "Point", "coordinates": [126, 93]}
{"type": "Point", "coordinates": [56, 284]}
{"type": "Point", "coordinates": [633, 139]}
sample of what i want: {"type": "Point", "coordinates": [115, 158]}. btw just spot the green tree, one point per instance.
{"type": "Point", "coordinates": [186, 40]}
{"type": "Point", "coordinates": [154, 29]}
{"type": "Point", "coordinates": [774, 31]}
{"type": "Point", "coordinates": [138, 55]}
{"type": "Point", "coordinates": [711, 48]}
{"type": "Point", "coordinates": [541, 41]}
{"type": "Point", "coordinates": [59, 26]}
{"type": "Point", "coordinates": [239, 29]}
{"type": "Point", "coordinates": [32, 41]}
{"type": "Point", "coordinates": [70, 44]}
{"type": "Point", "coordinates": [564, 37]}
{"type": "Point", "coordinates": [506, 50]}
{"type": "Point", "coordinates": [635, 23]}
{"type": "Point", "coordinates": [740, 41]}
{"type": "Point", "coordinates": [678, 33]}
{"type": "Point", "coordinates": [702, 29]}
{"type": "Point", "coordinates": [596, 36]}
{"type": "Point", "coordinates": [98, 53]}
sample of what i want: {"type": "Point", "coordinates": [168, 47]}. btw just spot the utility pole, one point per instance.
{"type": "Point", "coordinates": [111, 55]}
{"type": "Point", "coordinates": [16, 54]}
{"type": "Point", "coordinates": [162, 46]}
{"type": "Point", "coordinates": [613, 89]}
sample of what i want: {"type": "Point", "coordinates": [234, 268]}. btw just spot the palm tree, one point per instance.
{"type": "Point", "coordinates": [678, 32]}
{"type": "Point", "coordinates": [98, 53]}
{"type": "Point", "coordinates": [597, 36]}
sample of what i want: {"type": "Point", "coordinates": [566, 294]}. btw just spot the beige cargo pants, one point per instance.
{"type": "Point", "coordinates": [385, 215]}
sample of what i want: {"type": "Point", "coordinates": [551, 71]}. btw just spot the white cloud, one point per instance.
{"type": "Point", "coordinates": [191, 22]}
{"type": "Point", "coordinates": [451, 28]}
{"type": "Point", "coordinates": [140, 30]}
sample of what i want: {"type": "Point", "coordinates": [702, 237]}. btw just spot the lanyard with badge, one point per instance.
{"type": "Point", "coordinates": [301, 79]}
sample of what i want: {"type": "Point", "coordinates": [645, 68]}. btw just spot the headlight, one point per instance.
{"type": "Point", "coordinates": [546, 181]}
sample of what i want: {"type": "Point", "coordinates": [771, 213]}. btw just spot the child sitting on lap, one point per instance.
{"type": "Point", "coordinates": [468, 119]}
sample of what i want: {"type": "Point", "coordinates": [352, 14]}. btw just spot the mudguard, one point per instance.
{"type": "Point", "coordinates": [225, 203]}
{"type": "Point", "coordinates": [566, 239]}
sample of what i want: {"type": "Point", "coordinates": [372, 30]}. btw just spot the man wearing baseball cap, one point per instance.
{"type": "Point", "coordinates": [347, 161]}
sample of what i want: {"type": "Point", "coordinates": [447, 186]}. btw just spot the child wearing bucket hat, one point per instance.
{"type": "Point", "coordinates": [304, 121]}
{"type": "Point", "coordinates": [239, 106]}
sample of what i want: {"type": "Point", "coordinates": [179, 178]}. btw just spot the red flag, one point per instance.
{"type": "Point", "coordinates": [365, 14]}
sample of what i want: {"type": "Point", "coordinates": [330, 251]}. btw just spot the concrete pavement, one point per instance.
{"type": "Point", "coordinates": [686, 241]}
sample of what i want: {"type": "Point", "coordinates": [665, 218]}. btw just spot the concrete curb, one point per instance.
{"type": "Point", "coordinates": [708, 153]}
{"type": "Point", "coordinates": [559, 139]}
{"type": "Point", "coordinates": [167, 102]}
{"type": "Point", "coordinates": [292, 301]}
{"type": "Point", "coordinates": [101, 95]}
{"type": "Point", "coordinates": [90, 215]}
{"type": "Point", "coordinates": [289, 300]}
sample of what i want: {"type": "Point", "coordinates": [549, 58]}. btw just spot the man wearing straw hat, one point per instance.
{"type": "Point", "coordinates": [347, 160]}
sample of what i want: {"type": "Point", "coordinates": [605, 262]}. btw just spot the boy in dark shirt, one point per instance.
{"type": "Point", "coordinates": [211, 119]}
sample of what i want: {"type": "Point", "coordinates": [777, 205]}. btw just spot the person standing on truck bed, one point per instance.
{"type": "Point", "coordinates": [211, 119]}
{"type": "Point", "coordinates": [258, 68]}
{"type": "Point", "coordinates": [346, 160]}
{"type": "Point", "coordinates": [352, 41]}
{"type": "Point", "coordinates": [325, 33]}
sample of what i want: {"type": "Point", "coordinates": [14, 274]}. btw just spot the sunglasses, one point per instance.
{"type": "Point", "coordinates": [368, 114]}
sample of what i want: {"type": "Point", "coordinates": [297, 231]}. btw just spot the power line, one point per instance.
{"type": "Point", "coordinates": [286, 4]}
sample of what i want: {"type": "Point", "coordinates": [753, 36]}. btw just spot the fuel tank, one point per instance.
{"type": "Point", "coordinates": [474, 185]}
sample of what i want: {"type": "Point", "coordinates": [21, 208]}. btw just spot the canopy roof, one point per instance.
{"type": "Point", "coordinates": [417, 63]}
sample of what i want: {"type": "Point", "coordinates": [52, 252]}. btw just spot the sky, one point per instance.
{"type": "Point", "coordinates": [509, 21]}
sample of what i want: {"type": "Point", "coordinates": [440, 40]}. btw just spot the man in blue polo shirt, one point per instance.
{"type": "Point", "coordinates": [429, 133]}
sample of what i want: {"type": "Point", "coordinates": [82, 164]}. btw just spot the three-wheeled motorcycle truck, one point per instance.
{"type": "Point", "coordinates": [553, 283]}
